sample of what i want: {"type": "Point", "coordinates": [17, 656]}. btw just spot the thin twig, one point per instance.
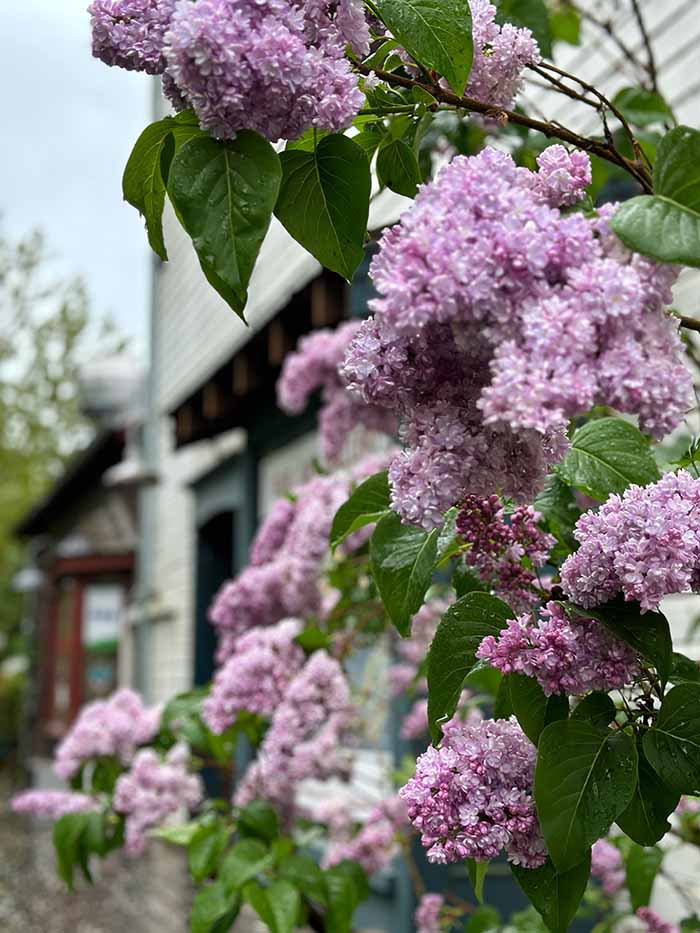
{"type": "Point", "coordinates": [603, 149]}
{"type": "Point", "coordinates": [690, 323]}
{"type": "Point", "coordinates": [651, 61]}
{"type": "Point", "coordinates": [608, 28]}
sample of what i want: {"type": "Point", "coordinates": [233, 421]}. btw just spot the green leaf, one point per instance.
{"type": "Point", "coordinates": [449, 541]}
{"type": "Point", "coordinates": [277, 905]}
{"type": "Point", "coordinates": [646, 818]}
{"type": "Point", "coordinates": [259, 819]}
{"type": "Point", "coordinates": [683, 669]}
{"type": "Point", "coordinates": [531, 707]}
{"type": "Point", "coordinates": [67, 835]}
{"type": "Point", "coordinates": [648, 633]}
{"type": "Point", "coordinates": [672, 745]}
{"type": "Point", "coordinates": [557, 505]}
{"type": "Point", "coordinates": [368, 141]}
{"type": "Point", "coordinates": [465, 581]}
{"type": "Point", "coordinates": [532, 14]}
{"type": "Point", "coordinates": [205, 850]}
{"type": "Point", "coordinates": [312, 638]}
{"type": "Point", "coordinates": [690, 924]}
{"type": "Point", "coordinates": [324, 201]}
{"type": "Point", "coordinates": [210, 906]}
{"type": "Point", "coordinates": [402, 560]}
{"type": "Point", "coordinates": [677, 167]}
{"type": "Point", "coordinates": [584, 779]}
{"type": "Point", "coordinates": [477, 875]}
{"type": "Point", "coordinates": [179, 835]}
{"type": "Point", "coordinates": [642, 108]}
{"type": "Point", "coordinates": [143, 185]}
{"type": "Point", "coordinates": [397, 168]}
{"type": "Point", "coordinates": [345, 886]}
{"type": "Point", "coordinates": [606, 456]}
{"type": "Point", "coordinates": [641, 867]}
{"type": "Point", "coordinates": [368, 503]}
{"type": "Point", "coordinates": [244, 861]}
{"type": "Point", "coordinates": [483, 919]}
{"type": "Point", "coordinates": [303, 872]}
{"type": "Point", "coordinates": [659, 228]}
{"type": "Point", "coordinates": [565, 25]}
{"type": "Point", "coordinates": [224, 193]}
{"type": "Point", "coordinates": [597, 708]}
{"type": "Point", "coordinates": [555, 895]}
{"type": "Point", "coordinates": [452, 654]}
{"type": "Point", "coordinates": [436, 33]}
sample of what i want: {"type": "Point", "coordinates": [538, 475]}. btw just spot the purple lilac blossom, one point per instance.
{"type": "Point", "coordinates": [564, 656]}
{"type": "Point", "coordinates": [645, 543]}
{"type": "Point", "coordinates": [256, 676]}
{"type": "Point", "coordinates": [484, 341]}
{"type": "Point", "coordinates": [153, 790]}
{"type": "Point", "coordinates": [113, 727]}
{"type": "Point", "coordinates": [306, 739]}
{"type": "Point", "coordinates": [52, 803]}
{"type": "Point", "coordinates": [375, 844]}
{"type": "Point", "coordinates": [472, 796]}
{"type": "Point", "coordinates": [607, 866]}
{"type": "Point", "coordinates": [427, 916]}
{"type": "Point", "coordinates": [315, 364]}
{"type": "Point", "coordinates": [500, 543]}
{"type": "Point", "coordinates": [654, 922]}
{"type": "Point", "coordinates": [289, 551]}
{"type": "Point", "coordinates": [130, 33]}
{"type": "Point", "coordinates": [273, 66]}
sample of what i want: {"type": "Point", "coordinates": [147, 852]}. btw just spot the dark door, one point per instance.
{"type": "Point", "coordinates": [215, 564]}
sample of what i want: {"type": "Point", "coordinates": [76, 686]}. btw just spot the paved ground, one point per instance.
{"type": "Point", "coordinates": [147, 895]}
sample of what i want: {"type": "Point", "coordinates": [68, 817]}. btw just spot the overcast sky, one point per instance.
{"type": "Point", "coordinates": [68, 126]}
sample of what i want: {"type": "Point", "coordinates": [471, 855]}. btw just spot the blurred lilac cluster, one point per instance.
{"type": "Point", "coordinates": [154, 789]}
{"type": "Point", "coordinates": [499, 318]}
{"type": "Point", "coordinates": [375, 844]}
{"type": "Point", "coordinates": [52, 804]}
{"type": "Point", "coordinates": [113, 727]}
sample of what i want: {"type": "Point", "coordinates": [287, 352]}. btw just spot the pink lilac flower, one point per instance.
{"type": "Point", "coordinates": [273, 66]}
{"type": "Point", "coordinates": [256, 676]}
{"type": "Point", "coordinates": [563, 176]}
{"type": "Point", "coordinates": [427, 916]}
{"type": "Point", "coordinates": [315, 364]}
{"type": "Point", "coordinates": [500, 54]}
{"type": "Point", "coordinates": [485, 341]}
{"type": "Point", "coordinates": [564, 656]}
{"type": "Point", "coordinates": [607, 866]}
{"type": "Point", "coordinates": [130, 33]}
{"type": "Point", "coordinates": [153, 790]}
{"type": "Point", "coordinates": [472, 796]}
{"type": "Point", "coordinates": [52, 803]}
{"type": "Point", "coordinates": [375, 844]}
{"type": "Point", "coordinates": [284, 579]}
{"type": "Point", "coordinates": [306, 738]}
{"type": "Point", "coordinates": [114, 727]}
{"type": "Point", "coordinates": [645, 543]}
{"type": "Point", "coordinates": [500, 543]}
{"type": "Point", "coordinates": [654, 922]}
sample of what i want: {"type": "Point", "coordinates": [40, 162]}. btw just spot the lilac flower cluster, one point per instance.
{"type": "Point", "coordinates": [306, 737]}
{"type": "Point", "coordinates": [131, 33]}
{"type": "Point", "coordinates": [499, 318]}
{"type": "Point", "coordinates": [472, 796]}
{"type": "Point", "coordinates": [654, 922]}
{"type": "Point", "coordinates": [275, 66]}
{"type": "Point", "coordinates": [500, 54]}
{"type": "Point", "coordinates": [499, 544]}
{"type": "Point", "coordinates": [607, 866]}
{"type": "Point", "coordinates": [374, 846]}
{"type": "Point", "coordinates": [116, 727]}
{"type": "Point", "coordinates": [427, 916]}
{"type": "Point", "coordinates": [283, 578]}
{"type": "Point", "coordinates": [645, 543]}
{"type": "Point", "coordinates": [153, 790]}
{"type": "Point", "coordinates": [314, 365]}
{"type": "Point", "coordinates": [256, 676]}
{"type": "Point", "coordinates": [52, 803]}
{"type": "Point", "coordinates": [564, 656]}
